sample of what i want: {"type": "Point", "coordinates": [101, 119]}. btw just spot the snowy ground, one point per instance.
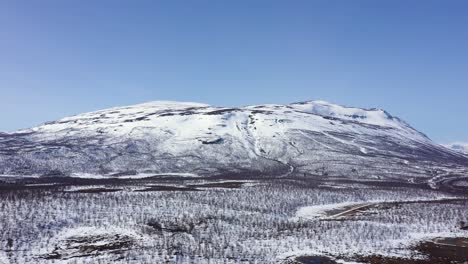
{"type": "Point", "coordinates": [226, 221]}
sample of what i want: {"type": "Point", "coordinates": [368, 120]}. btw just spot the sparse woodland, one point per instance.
{"type": "Point", "coordinates": [253, 224]}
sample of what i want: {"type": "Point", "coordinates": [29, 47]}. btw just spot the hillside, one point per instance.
{"type": "Point", "coordinates": [312, 138]}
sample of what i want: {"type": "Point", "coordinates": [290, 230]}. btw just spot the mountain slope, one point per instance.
{"type": "Point", "coordinates": [312, 138]}
{"type": "Point", "coordinates": [458, 146]}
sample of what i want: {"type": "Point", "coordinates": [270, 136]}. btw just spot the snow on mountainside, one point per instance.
{"type": "Point", "coordinates": [305, 138]}
{"type": "Point", "coordinates": [458, 146]}
{"type": "Point", "coordinates": [370, 116]}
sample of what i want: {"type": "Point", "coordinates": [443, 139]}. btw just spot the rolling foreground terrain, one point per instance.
{"type": "Point", "coordinates": [172, 182]}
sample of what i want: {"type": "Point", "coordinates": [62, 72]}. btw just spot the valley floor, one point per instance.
{"type": "Point", "coordinates": [229, 220]}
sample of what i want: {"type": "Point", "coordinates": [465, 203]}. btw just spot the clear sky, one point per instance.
{"type": "Point", "coordinates": [59, 58]}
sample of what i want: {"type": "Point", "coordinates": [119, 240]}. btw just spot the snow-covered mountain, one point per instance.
{"type": "Point", "coordinates": [458, 146]}
{"type": "Point", "coordinates": [312, 138]}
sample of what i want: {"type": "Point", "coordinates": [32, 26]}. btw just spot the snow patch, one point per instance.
{"type": "Point", "coordinates": [137, 176]}
{"type": "Point", "coordinates": [310, 212]}
{"type": "Point", "coordinates": [95, 231]}
{"type": "Point", "coordinates": [4, 258]}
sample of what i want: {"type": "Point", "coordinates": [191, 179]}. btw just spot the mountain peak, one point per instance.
{"type": "Point", "coordinates": [171, 104]}
{"type": "Point", "coordinates": [126, 118]}
{"type": "Point", "coordinates": [371, 116]}
{"type": "Point", "coordinates": [458, 146]}
{"type": "Point", "coordinates": [185, 137]}
{"type": "Point", "coordinates": [154, 105]}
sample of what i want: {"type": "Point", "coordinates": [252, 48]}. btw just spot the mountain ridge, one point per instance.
{"type": "Point", "coordinates": [303, 138]}
{"type": "Point", "coordinates": [458, 146]}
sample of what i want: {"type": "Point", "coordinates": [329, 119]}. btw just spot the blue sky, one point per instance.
{"type": "Point", "coordinates": [59, 58]}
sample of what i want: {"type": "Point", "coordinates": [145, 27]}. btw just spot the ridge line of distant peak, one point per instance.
{"type": "Point", "coordinates": [197, 104]}
{"type": "Point", "coordinates": [315, 107]}
{"type": "Point", "coordinates": [322, 102]}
